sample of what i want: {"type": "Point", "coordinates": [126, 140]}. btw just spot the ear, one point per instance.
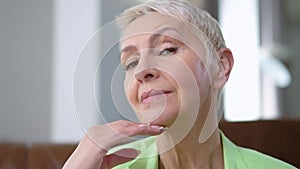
{"type": "Point", "coordinates": [225, 64]}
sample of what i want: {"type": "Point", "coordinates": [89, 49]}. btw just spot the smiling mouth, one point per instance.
{"type": "Point", "coordinates": [153, 95]}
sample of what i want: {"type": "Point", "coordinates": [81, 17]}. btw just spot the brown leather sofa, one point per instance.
{"type": "Point", "coordinates": [280, 139]}
{"type": "Point", "coordinates": [34, 156]}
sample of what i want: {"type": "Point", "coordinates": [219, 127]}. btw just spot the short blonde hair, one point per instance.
{"type": "Point", "coordinates": [182, 10]}
{"type": "Point", "coordinates": [185, 11]}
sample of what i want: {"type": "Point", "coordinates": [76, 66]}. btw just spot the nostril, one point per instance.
{"type": "Point", "coordinates": [149, 75]}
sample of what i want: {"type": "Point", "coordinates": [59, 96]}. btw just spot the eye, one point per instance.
{"type": "Point", "coordinates": [168, 51]}
{"type": "Point", "coordinates": [131, 64]}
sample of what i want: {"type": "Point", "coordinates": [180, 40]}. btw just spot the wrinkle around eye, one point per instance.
{"type": "Point", "coordinates": [131, 62]}
{"type": "Point", "coordinates": [127, 52]}
{"type": "Point", "coordinates": [131, 65]}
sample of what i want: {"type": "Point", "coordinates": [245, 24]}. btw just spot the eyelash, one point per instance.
{"type": "Point", "coordinates": [135, 62]}
{"type": "Point", "coordinates": [171, 50]}
{"type": "Point", "coordinates": [131, 65]}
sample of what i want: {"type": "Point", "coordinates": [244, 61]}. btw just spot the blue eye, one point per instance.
{"type": "Point", "coordinates": [131, 65]}
{"type": "Point", "coordinates": [169, 51]}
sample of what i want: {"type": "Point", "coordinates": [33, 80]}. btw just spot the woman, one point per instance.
{"type": "Point", "coordinates": [176, 64]}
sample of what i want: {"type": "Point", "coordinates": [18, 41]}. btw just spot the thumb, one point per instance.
{"type": "Point", "coordinates": [120, 157]}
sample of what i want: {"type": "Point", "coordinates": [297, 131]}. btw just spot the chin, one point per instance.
{"type": "Point", "coordinates": [159, 115]}
{"type": "Point", "coordinates": [163, 120]}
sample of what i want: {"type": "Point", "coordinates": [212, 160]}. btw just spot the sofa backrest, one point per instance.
{"type": "Point", "coordinates": [280, 139]}
{"type": "Point", "coordinates": [34, 156]}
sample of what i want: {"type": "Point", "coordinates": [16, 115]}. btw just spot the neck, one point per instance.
{"type": "Point", "coordinates": [189, 153]}
{"type": "Point", "coordinates": [186, 151]}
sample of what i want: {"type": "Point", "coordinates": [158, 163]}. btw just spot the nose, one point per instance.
{"type": "Point", "coordinates": [146, 70]}
{"type": "Point", "coordinates": [147, 74]}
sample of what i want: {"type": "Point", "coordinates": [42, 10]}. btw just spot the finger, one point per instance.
{"type": "Point", "coordinates": [128, 128]}
{"type": "Point", "coordinates": [150, 129]}
{"type": "Point", "coordinates": [120, 157]}
{"type": "Point", "coordinates": [121, 132]}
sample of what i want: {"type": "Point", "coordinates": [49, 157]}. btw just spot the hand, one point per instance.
{"type": "Point", "coordinates": [92, 149]}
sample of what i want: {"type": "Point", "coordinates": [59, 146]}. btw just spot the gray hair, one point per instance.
{"type": "Point", "coordinates": [182, 10]}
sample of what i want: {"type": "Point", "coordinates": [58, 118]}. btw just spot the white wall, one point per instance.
{"type": "Point", "coordinates": [40, 42]}
{"type": "Point", "coordinates": [77, 25]}
{"type": "Point", "coordinates": [74, 23]}
{"type": "Point", "coordinates": [239, 22]}
{"type": "Point", "coordinates": [25, 69]}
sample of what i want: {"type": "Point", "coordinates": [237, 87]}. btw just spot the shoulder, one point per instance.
{"type": "Point", "coordinates": [254, 159]}
{"type": "Point", "coordinates": [239, 157]}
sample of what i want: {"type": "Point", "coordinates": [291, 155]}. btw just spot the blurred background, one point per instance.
{"type": "Point", "coordinates": [41, 40]}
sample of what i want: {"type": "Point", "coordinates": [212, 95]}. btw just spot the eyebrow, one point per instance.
{"type": "Point", "coordinates": [152, 38]}
{"type": "Point", "coordinates": [160, 32]}
{"type": "Point", "coordinates": [128, 48]}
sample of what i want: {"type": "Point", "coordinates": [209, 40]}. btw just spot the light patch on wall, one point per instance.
{"type": "Point", "coordinates": [240, 24]}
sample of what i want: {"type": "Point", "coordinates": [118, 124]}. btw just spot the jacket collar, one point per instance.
{"type": "Point", "coordinates": [230, 154]}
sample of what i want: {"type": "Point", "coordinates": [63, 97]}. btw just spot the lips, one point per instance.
{"type": "Point", "coordinates": [153, 95]}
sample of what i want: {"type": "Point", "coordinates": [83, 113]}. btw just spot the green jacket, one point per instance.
{"type": "Point", "coordinates": [235, 157]}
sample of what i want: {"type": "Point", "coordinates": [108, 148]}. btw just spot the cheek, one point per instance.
{"type": "Point", "coordinates": [130, 90]}
{"type": "Point", "coordinates": [200, 74]}
{"type": "Point", "coordinates": [203, 82]}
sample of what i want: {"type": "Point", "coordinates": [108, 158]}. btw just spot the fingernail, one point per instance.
{"type": "Point", "coordinates": [160, 128]}
{"type": "Point", "coordinates": [142, 125]}
{"type": "Point", "coordinates": [165, 128]}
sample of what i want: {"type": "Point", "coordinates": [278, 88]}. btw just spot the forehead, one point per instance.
{"type": "Point", "coordinates": [140, 30]}
{"type": "Point", "coordinates": [152, 22]}
{"type": "Point", "coordinates": [149, 23]}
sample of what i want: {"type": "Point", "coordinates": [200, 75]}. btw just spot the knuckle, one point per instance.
{"type": "Point", "coordinates": [92, 129]}
{"type": "Point", "coordinates": [125, 124]}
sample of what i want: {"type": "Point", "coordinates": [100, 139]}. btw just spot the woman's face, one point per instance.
{"type": "Point", "coordinates": [165, 76]}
